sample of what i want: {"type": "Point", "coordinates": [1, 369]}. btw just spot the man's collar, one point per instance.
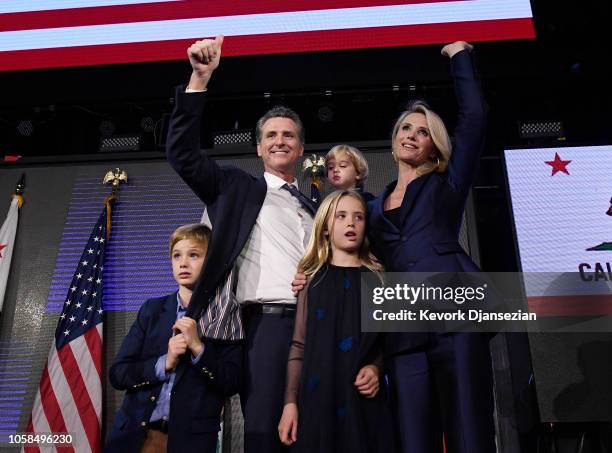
{"type": "Point", "coordinates": [275, 182]}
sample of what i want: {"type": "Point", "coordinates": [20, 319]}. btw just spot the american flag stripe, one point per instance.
{"type": "Point", "coordinates": [271, 44]}
{"type": "Point", "coordinates": [68, 407]}
{"type": "Point", "coordinates": [94, 343]}
{"type": "Point", "coordinates": [48, 417]}
{"type": "Point", "coordinates": [162, 31]}
{"type": "Point", "coordinates": [41, 414]}
{"type": "Point", "coordinates": [53, 410]}
{"type": "Point", "coordinates": [80, 396]}
{"type": "Point", "coordinates": [187, 9]}
{"type": "Point", "coordinates": [41, 5]}
{"type": "Point", "coordinates": [88, 369]}
{"type": "Point", "coordinates": [256, 24]}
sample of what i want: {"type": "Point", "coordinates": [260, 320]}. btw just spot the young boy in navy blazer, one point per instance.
{"type": "Point", "coordinates": [175, 382]}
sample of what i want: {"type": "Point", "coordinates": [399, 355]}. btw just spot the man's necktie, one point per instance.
{"type": "Point", "coordinates": [305, 202]}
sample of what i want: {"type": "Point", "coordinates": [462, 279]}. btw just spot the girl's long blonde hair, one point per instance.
{"type": "Point", "coordinates": [319, 252]}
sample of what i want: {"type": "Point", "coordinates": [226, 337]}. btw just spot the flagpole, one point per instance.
{"type": "Point", "coordinates": [8, 232]}
{"type": "Point", "coordinates": [19, 188]}
{"type": "Point", "coordinates": [114, 177]}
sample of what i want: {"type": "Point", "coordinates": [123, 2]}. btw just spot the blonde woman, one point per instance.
{"type": "Point", "coordinates": [441, 383]}
{"type": "Point", "coordinates": [334, 402]}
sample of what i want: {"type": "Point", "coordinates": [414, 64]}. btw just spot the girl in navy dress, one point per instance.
{"type": "Point", "coordinates": [333, 400]}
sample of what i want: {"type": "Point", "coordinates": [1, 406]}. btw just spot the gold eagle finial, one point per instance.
{"type": "Point", "coordinates": [116, 177]}
{"type": "Point", "coordinates": [315, 165]}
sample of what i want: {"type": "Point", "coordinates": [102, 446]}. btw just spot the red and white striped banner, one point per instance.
{"type": "Point", "coordinates": [55, 33]}
{"type": "Point", "coordinates": [69, 397]}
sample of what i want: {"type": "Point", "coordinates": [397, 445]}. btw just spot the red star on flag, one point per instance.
{"type": "Point", "coordinates": [1, 247]}
{"type": "Point", "coordinates": [558, 165]}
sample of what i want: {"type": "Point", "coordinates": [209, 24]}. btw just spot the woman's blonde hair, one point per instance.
{"type": "Point", "coordinates": [319, 251]}
{"type": "Point", "coordinates": [355, 157]}
{"type": "Point", "coordinates": [439, 135]}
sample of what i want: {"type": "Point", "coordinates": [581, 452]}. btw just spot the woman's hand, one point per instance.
{"type": "Point", "coordinates": [367, 381]}
{"type": "Point", "coordinates": [451, 49]}
{"type": "Point", "coordinates": [287, 427]}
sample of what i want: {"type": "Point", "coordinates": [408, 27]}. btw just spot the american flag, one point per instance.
{"type": "Point", "coordinates": [55, 33]}
{"type": "Point", "coordinates": [69, 398]}
{"type": "Point", "coordinates": [316, 189]}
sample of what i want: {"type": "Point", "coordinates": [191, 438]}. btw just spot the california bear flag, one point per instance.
{"type": "Point", "coordinates": [7, 240]}
{"type": "Point", "coordinates": [561, 202]}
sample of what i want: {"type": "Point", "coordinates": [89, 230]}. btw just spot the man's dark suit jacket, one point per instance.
{"type": "Point", "coordinates": [198, 392]}
{"type": "Point", "coordinates": [432, 208]}
{"type": "Point", "coordinates": [232, 196]}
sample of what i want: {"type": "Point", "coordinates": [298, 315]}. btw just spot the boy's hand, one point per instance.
{"type": "Point", "coordinates": [287, 427]}
{"type": "Point", "coordinates": [298, 283]}
{"type": "Point", "coordinates": [176, 348]}
{"type": "Point", "coordinates": [188, 328]}
{"type": "Point", "coordinates": [367, 381]}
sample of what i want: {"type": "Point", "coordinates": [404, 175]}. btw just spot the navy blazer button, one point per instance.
{"type": "Point", "coordinates": [152, 398]}
{"type": "Point", "coordinates": [143, 424]}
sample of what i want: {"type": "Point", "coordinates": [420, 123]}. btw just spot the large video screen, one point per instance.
{"type": "Point", "coordinates": [562, 207]}
{"type": "Point", "coordinates": [60, 33]}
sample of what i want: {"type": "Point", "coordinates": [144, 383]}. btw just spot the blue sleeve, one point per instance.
{"type": "Point", "coordinates": [471, 124]}
{"type": "Point", "coordinates": [197, 358]}
{"type": "Point", "coordinates": [160, 368]}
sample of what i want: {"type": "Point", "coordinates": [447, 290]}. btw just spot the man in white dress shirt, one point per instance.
{"type": "Point", "coordinates": [260, 230]}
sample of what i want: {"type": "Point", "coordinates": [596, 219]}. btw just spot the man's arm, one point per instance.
{"type": "Point", "coordinates": [197, 169]}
